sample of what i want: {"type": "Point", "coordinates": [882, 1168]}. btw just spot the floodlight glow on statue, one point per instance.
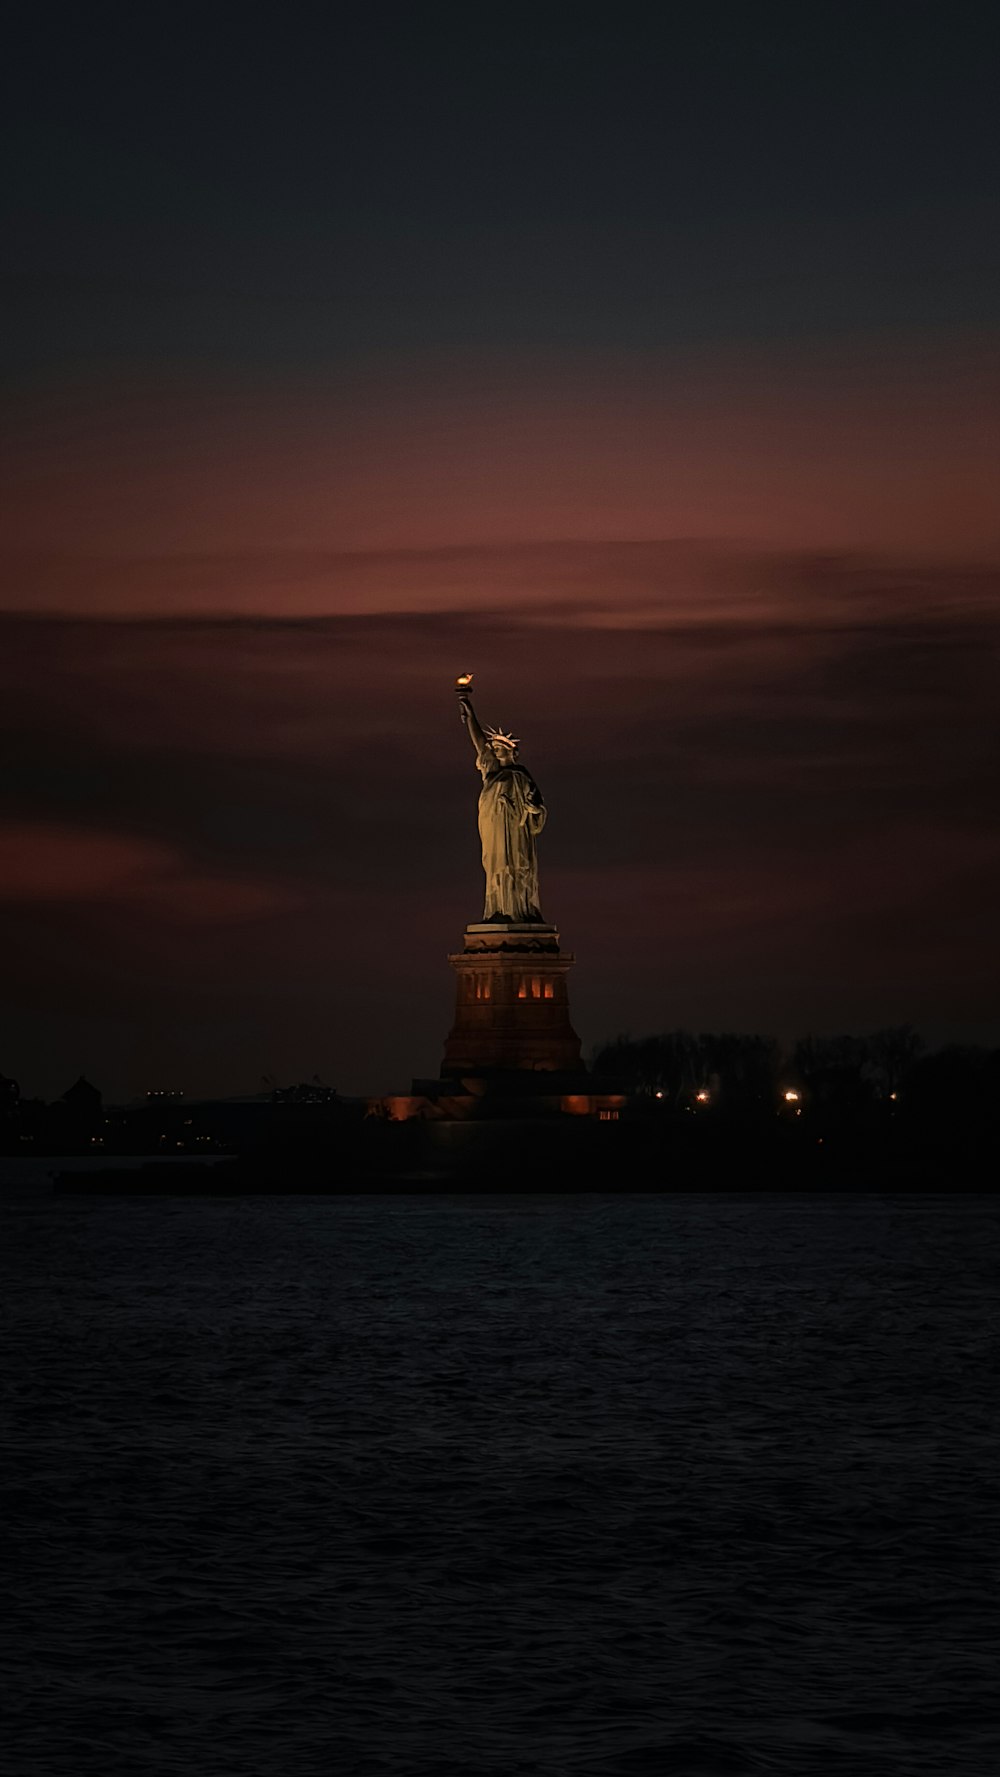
{"type": "Point", "coordinates": [511, 815]}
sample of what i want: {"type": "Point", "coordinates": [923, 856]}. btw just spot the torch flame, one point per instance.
{"type": "Point", "coordinates": [464, 679]}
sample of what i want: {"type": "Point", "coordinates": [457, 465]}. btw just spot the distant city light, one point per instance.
{"type": "Point", "coordinates": [791, 1097]}
{"type": "Point", "coordinates": [659, 1095]}
{"type": "Point", "coordinates": [702, 1097]}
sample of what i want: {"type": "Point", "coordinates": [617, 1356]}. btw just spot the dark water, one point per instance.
{"type": "Point", "coordinates": [629, 1485]}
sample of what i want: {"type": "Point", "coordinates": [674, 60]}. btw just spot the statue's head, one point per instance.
{"type": "Point", "coordinates": [504, 745]}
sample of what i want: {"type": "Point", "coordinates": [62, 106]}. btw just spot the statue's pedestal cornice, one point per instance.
{"type": "Point", "coordinates": [527, 937]}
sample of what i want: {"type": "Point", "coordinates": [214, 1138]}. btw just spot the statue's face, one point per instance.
{"type": "Point", "coordinates": [505, 754]}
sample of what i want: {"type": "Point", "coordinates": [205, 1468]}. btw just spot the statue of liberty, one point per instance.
{"type": "Point", "coordinates": [511, 815]}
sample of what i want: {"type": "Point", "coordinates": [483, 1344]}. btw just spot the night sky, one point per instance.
{"type": "Point", "coordinates": [646, 367]}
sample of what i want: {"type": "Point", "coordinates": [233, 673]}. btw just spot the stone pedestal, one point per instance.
{"type": "Point", "coordinates": [511, 1003]}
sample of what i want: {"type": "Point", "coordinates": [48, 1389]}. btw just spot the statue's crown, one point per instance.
{"type": "Point", "coordinates": [507, 740]}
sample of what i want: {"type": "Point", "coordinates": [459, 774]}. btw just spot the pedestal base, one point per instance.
{"type": "Point", "coordinates": [511, 1003]}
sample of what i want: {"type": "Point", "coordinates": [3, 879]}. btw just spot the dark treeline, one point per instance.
{"type": "Point", "coordinates": [839, 1077]}
{"type": "Point", "coordinates": [878, 1111]}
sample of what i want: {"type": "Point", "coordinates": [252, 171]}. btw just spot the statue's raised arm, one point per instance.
{"type": "Point", "coordinates": [511, 814]}
{"type": "Point", "coordinates": [468, 714]}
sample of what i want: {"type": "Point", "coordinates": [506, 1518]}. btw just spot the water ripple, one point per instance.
{"type": "Point", "coordinates": [686, 1485]}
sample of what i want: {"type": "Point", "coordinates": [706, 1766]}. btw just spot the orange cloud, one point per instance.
{"type": "Point", "coordinates": [371, 492]}
{"type": "Point", "coordinates": [42, 862]}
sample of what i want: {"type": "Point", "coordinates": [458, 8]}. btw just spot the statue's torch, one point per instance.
{"type": "Point", "coordinates": [463, 690]}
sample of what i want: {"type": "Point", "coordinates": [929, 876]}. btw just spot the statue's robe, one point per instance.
{"type": "Point", "coordinates": [511, 814]}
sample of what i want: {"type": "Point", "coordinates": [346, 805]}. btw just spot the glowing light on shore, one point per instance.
{"type": "Point", "coordinates": [792, 1097]}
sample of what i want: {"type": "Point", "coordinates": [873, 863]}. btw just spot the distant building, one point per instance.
{"type": "Point", "coordinates": [82, 1100]}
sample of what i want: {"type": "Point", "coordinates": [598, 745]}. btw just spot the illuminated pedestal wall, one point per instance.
{"type": "Point", "coordinates": [511, 1002]}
